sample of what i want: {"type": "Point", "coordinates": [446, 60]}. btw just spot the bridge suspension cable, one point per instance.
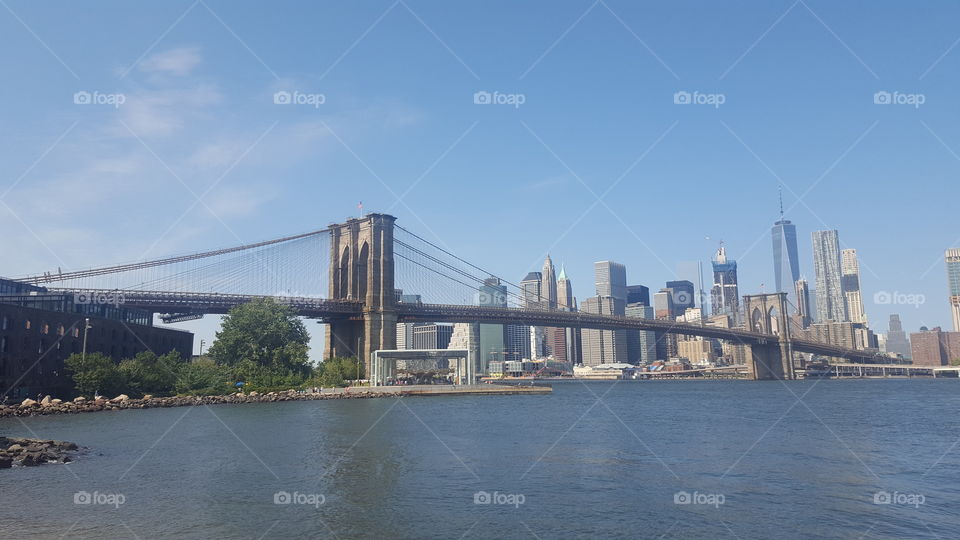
{"type": "Point", "coordinates": [50, 277]}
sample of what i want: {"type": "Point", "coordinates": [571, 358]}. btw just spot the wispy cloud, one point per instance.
{"type": "Point", "coordinates": [178, 62]}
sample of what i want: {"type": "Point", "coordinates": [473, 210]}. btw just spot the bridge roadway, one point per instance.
{"type": "Point", "coordinates": [325, 309]}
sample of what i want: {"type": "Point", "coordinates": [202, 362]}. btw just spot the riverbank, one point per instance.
{"type": "Point", "coordinates": [47, 406]}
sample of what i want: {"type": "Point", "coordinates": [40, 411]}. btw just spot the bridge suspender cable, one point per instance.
{"type": "Point", "coordinates": [65, 276]}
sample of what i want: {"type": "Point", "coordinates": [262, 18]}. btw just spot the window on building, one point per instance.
{"type": "Point", "coordinates": [5, 323]}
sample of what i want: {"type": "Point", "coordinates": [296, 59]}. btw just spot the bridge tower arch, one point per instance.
{"type": "Point", "coordinates": [361, 269]}
{"type": "Point", "coordinates": [772, 359]}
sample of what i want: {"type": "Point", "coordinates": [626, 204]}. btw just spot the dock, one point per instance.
{"type": "Point", "coordinates": [453, 389]}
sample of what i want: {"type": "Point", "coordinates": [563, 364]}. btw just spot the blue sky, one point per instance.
{"type": "Point", "coordinates": [90, 184]}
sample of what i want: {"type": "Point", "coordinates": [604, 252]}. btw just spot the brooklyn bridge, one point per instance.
{"type": "Point", "coordinates": [347, 276]}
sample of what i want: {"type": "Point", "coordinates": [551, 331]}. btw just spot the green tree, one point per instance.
{"type": "Point", "coordinates": [147, 373]}
{"type": "Point", "coordinates": [95, 373]}
{"type": "Point", "coordinates": [262, 337]}
{"type": "Point", "coordinates": [336, 371]}
{"type": "Point", "coordinates": [203, 377]}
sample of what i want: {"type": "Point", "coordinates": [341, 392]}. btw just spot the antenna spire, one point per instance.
{"type": "Point", "coordinates": [780, 192]}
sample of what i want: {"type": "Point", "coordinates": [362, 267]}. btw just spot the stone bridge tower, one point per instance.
{"type": "Point", "coordinates": [767, 314]}
{"type": "Point", "coordinates": [361, 269]}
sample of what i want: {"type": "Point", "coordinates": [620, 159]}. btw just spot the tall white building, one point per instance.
{"type": "Point", "coordinates": [850, 280]}
{"type": "Point", "coordinates": [603, 346]}
{"type": "Point", "coordinates": [611, 279]}
{"type": "Point", "coordinates": [952, 258]}
{"type": "Point", "coordinates": [826, 264]}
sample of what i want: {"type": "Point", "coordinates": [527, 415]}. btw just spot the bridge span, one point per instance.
{"type": "Point", "coordinates": [355, 276]}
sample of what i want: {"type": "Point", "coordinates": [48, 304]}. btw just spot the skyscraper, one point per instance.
{"type": "Point", "coordinates": [850, 282]}
{"type": "Point", "coordinates": [548, 284]}
{"type": "Point", "coordinates": [952, 258]}
{"type": "Point", "coordinates": [803, 303]}
{"type": "Point", "coordinates": [897, 338]}
{"type": "Point", "coordinates": [684, 295]}
{"type": "Point", "coordinates": [604, 346]}
{"type": "Point", "coordinates": [826, 264]}
{"type": "Point", "coordinates": [532, 298]}
{"type": "Point", "coordinates": [564, 339]}
{"type": "Point", "coordinates": [641, 344]}
{"type": "Point", "coordinates": [565, 300]}
{"type": "Point", "coordinates": [786, 265]}
{"type": "Point", "coordinates": [725, 296]}
{"type": "Point", "coordinates": [554, 339]}
{"type": "Point", "coordinates": [611, 279]}
{"type": "Point", "coordinates": [638, 294]}
{"type": "Point", "coordinates": [492, 336]}
{"type": "Point", "coordinates": [530, 295]}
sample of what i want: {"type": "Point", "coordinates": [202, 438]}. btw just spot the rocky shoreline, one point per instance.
{"type": "Point", "coordinates": [29, 452]}
{"type": "Point", "coordinates": [30, 407]}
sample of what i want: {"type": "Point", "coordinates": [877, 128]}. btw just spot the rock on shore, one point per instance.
{"type": "Point", "coordinates": [29, 452]}
{"type": "Point", "coordinates": [30, 407]}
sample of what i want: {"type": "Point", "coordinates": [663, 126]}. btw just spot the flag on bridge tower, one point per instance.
{"type": "Point", "coordinates": [360, 208]}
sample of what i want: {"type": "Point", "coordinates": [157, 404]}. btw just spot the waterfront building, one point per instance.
{"type": "Point", "coordinates": [517, 342]}
{"type": "Point", "coordinates": [432, 336]}
{"type": "Point", "coordinates": [725, 295]}
{"type": "Point", "coordinates": [934, 347]}
{"type": "Point", "coordinates": [697, 351]}
{"type": "Point", "coordinates": [40, 329]}
{"type": "Point", "coordinates": [952, 259]}
{"type": "Point", "coordinates": [850, 283]}
{"type": "Point", "coordinates": [826, 262]}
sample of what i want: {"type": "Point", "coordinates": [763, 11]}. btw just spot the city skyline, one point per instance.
{"type": "Point", "coordinates": [199, 132]}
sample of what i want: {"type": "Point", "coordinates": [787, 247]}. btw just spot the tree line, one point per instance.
{"type": "Point", "coordinates": [261, 346]}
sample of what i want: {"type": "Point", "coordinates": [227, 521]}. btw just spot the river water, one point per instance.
{"type": "Point", "coordinates": [649, 459]}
